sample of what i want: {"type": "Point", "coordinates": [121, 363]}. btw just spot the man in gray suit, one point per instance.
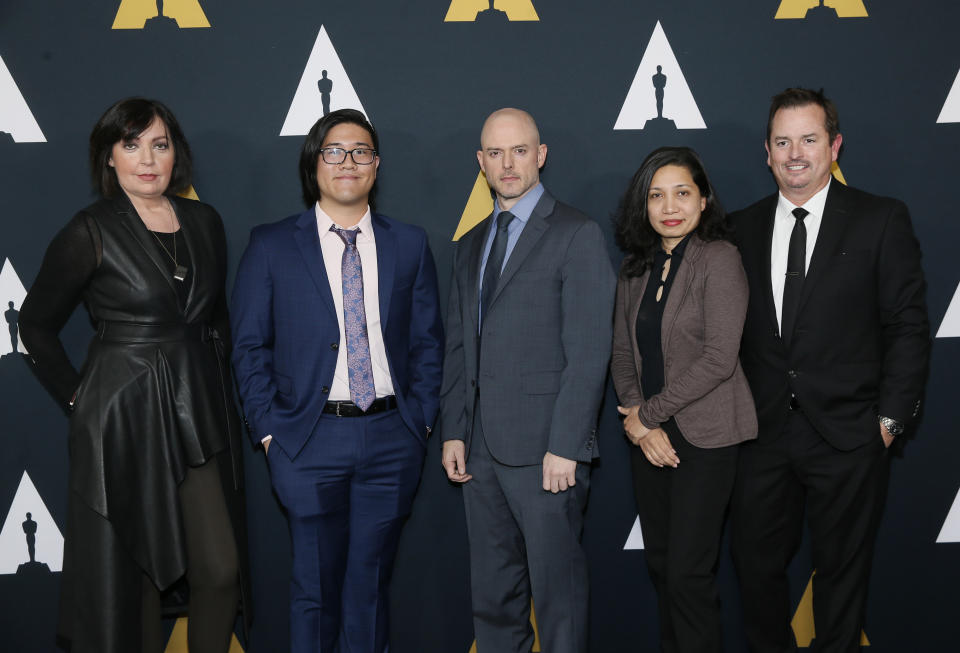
{"type": "Point", "coordinates": [529, 333]}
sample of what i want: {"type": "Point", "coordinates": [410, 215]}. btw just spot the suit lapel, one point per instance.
{"type": "Point", "coordinates": [768, 216]}
{"type": "Point", "coordinates": [678, 291]}
{"type": "Point", "coordinates": [531, 234]}
{"type": "Point", "coordinates": [386, 264]}
{"type": "Point", "coordinates": [832, 224]}
{"type": "Point", "coordinates": [308, 241]}
{"type": "Point", "coordinates": [638, 286]}
{"type": "Point", "coordinates": [475, 240]}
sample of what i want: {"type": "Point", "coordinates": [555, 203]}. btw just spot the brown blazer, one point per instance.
{"type": "Point", "coordinates": [705, 388]}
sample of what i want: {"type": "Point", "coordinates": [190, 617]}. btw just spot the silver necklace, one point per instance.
{"type": "Point", "coordinates": [179, 270]}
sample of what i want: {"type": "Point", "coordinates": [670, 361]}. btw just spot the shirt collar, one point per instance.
{"type": "Point", "coordinates": [324, 222]}
{"type": "Point", "coordinates": [524, 206]}
{"type": "Point", "coordinates": [814, 205]}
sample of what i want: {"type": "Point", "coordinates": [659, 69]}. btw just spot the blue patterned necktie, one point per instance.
{"type": "Point", "coordinates": [359, 366]}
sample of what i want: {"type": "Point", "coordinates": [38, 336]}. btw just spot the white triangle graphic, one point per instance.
{"type": "Point", "coordinates": [951, 108]}
{"type": "Point", "coordinates": [307, 105]}
{"type": "Point", "coordinates": [15, 116]}
{"type": "Point", "coordinates": [641, 103]}
{"type": "Point", "coordinates": [13, 538]}
{"type": "Point", "coordinates": [950, 327]}
{"type": "Point", "coordinates": [951, 526]}
{"type": "Point", "coordinates": [635, 539]}
{"type": "Point", "coordinates": [11, 290]}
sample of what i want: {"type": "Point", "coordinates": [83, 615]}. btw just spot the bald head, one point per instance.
{"type": "Point", "coordinates": [511, 155]}
{"type": "Point", "coordinates": [515, 119]}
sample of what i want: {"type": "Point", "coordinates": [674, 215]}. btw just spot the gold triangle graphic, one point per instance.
{"type": "Point", "coordinates": [802, 622]}
{"type": "Point", "coordinates": [466, 11]}
{"type": "Point", "coordinates": [133, 14]}
{"type": "Point", "coordinates": [799, 8]}
{"type": "Point", "coordinates": [190, 194]}
{"type": "Point", "coordinates": [479, 206]}
{"type": "Point", "coordinates": [536, 634]}
{"type": "Point", "coordinates": [837, 174]}
{"type": "Point", "coordinates": [178, 639]}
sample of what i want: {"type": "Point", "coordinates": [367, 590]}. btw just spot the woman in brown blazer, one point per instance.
{"type": "Point", "coordinates": [681, 303]}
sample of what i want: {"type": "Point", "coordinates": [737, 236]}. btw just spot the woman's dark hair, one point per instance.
{"type": "Point", "coordinates": [310, 154]}
{"type": "Point", "coordinates": [125, 121]}
{"type": "Point", "coordinates": [633, 232]}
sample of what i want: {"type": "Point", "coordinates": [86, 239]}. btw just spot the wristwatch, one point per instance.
{"type": "Point", "coordinates": [893, 426]}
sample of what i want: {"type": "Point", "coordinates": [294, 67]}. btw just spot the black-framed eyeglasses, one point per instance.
{"type": "Point", "coordinates": [363, 156]}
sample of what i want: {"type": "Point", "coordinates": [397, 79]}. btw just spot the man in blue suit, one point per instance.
{"type": "Point", "coordinates": [337, 349]}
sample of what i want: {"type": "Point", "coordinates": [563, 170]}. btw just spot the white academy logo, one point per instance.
{"type": "Point", "coordinates": [951, 108]}
{"type": "Point", "coordinates": [951, 526]}
{"type": "Point", "coordinates": [15, 116]}
{"type": "Point", "coordinates": [950, 327]}
{"type": "Point", "coordinates": [635, 539]}
{"type": "Point", "coordinates": [324, 81]}
{"type": "Point", "coordinates": [13, 537]}
{"type": "Point", "coordinates": [642, 98]}
{"type": "Point", "coordinates": [11, 290]}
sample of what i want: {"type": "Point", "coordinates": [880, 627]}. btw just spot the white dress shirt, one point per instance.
{"type": "Point", "coordinates": [332, 246]}
{"type": "Point", "coordinates": [783, 224]}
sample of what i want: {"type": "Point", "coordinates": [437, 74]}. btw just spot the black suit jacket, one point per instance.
{"type": "Point", "coordinates": [861, 340]}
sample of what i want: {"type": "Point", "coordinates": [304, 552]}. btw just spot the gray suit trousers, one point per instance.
{"type": "Point", "coordinates": [525, 543]}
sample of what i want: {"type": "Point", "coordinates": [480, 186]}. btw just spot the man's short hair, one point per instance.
{"type": "Point", "coordinates": [310, 154]}
{"type": "Point", "coordinates": [801, 97]}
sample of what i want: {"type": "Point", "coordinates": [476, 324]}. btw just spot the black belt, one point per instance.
{"type": "Point", "coordinates": [170, 332]}
{"type": "Point", "coordinates": [350, 409]}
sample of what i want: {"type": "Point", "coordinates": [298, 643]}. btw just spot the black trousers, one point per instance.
{"type": "Point", "coordinates": [682, 512]}
{"type": "Point", "coordinates": [843, 493]}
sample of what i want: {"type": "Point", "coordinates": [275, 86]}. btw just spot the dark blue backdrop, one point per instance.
{"type": "Point", "coordinates": [427, 85]}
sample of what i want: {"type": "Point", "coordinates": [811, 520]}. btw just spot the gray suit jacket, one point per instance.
{"type": "Point", "coordinates": [546, 340]}
{"type": "Point", "coordinates": [705, 388]}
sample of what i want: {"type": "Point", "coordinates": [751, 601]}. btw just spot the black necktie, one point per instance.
{"type": "Point", "coordinates": [796, 271]}
{"type": "Point", "coordinates": [491, 273]}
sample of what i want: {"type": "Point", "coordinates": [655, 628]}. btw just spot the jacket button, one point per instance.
{"type": "Point", "coordinates": [334, 345]}
{"type": "Point", "coordinates": [473, 384]}
{"type": "Point", "coordinates": [325, 390]}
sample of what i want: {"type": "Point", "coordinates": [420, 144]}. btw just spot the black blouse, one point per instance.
{"type": "Point", "coordinates": [650, 322]}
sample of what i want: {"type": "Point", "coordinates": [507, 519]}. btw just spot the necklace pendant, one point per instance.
{"type": "Point", "coordinates": [180, 273]}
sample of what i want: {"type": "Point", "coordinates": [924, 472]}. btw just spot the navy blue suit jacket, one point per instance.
{"type": "Point", "coordinates": [286, 335]}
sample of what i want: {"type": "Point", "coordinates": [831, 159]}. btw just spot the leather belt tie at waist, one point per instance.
{"type": "Point", "coordinates": [350, 409]}
{"type": "Point", "coordinates": [144, 333]}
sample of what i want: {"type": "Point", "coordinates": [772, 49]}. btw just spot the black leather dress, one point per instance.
{"type": "Point", "coordinates": [153, 398]}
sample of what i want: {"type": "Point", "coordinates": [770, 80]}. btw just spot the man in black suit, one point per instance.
{"type": "Point", "coordinates": [835, 347]}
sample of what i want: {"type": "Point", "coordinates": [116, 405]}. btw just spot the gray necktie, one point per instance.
{"type": "Point", "coordinates": [491, 273]}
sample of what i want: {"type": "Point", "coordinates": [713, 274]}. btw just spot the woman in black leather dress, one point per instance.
{"type": "Point", "coordinates": [155, 475]}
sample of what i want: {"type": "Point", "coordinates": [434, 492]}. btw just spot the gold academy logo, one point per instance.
{"type": "Point", "coordinates": [140, 14]}
{"type": "Point", "coordinates": [468, 11]}
{"type": "Point", "coordinates": [804, 630]}
{"type": "Point", "coordinates": [479, 206]}
{"type": "Point", "coordinates": [841, 8]}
